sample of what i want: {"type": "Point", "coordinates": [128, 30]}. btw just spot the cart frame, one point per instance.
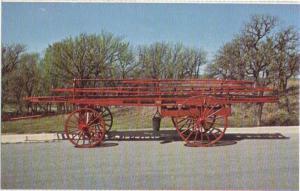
{"type": "Point", "coordinates": [199, 108]}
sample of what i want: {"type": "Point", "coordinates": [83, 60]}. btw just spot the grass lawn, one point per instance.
{"type": "Point", "coordinates": [40, 125]}
{"type": "Point", "coordinates": [123, 118]}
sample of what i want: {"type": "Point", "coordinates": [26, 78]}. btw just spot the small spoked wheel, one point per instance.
{"type": "Point", "coordinates": [106, 116]}
{"type": "Point", "coordinates": [204, 125]}
{"type": "Point", "coordinates": [85, 127]}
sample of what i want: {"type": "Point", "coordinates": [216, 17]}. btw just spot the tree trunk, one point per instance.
{"type": "Point", "coordinates": [58, 108]}
{"type": "Point", "coordinates": [20, 108]}
{"type": "Point", "coordinates": [259, 114]}
{"type": "Point", "coordinates": [28, 108]}
{"type": "Point", "coordinates": [287, 103]}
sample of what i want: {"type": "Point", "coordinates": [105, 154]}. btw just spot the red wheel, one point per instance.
{"type": "Point", "coordinates": [204, 126]}
{"type": "Point", "coordinates": [106, 116]}
{"type": "Point", "coordinates": [85, 127]}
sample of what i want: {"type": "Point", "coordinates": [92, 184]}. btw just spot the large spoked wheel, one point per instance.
{"type": "Point", "coordinates": [106, 116]}
{"type": "Point", "coordinates": [204, 125]}
{"type": "Point", "coordinates": [85, 127]}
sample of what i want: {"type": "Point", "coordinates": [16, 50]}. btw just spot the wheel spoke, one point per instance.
{"type": "Point", "coordinates": [74, 135]}
{"type": "Point", "coordinates": [202, 120]}
{"type": "Point", "coordinates": [87, 134]}
{"type": "Point", "coordinates": [214, 112]}
{"type": "Point", "coordinates": [219, 123]}
{"type": "Point", "coordinates": [208, 139]}
{"type": "Point", "coordinates": [189, 135]}
{"type": "Point", "coordinates": [106, 116]}
{"type": "Point", "coordinates": [79, 137]}
{"type": "Point", "coordinates": [210, 122]}
{"type": "Point", "coordinates": [196, 135]}
{"type": "Point", "coordinates": [185, 130]}
{"type": "Point", "coordinates": [188, 122]}
{"type": "Point", "coordinates": [214, 134]}
{"type": "Point", "coordinates": [201, 135]}
{"type": "Point", "coordinates": [220, 116]}
{"type": "Point", "coordinates": [209, 110]}
{"type": "Point", "coordinates": [183, 119]}
{"type": "Point", "coordinates": [76, 130]}
{"type": "Point", "coordinates": [95, 124]}
{"type": "Point", "coordinates": [91, 122]}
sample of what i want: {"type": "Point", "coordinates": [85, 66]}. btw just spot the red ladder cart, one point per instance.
{"type": "Point", "coordinates": [199, 108]}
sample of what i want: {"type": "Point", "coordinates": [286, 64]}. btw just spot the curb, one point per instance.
{"type": "Point", "coordinates": [61, 136]}
{"type": "Point", "coordinates": [131, 134]}
{"type": "Point", "coordinates": [30, 138]}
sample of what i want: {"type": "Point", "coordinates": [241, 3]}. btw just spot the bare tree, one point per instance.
{"type": "Point", "coordinates": [23, 81]}
{"type": "Point", "coordinates": [287, 61]}
{"type": "Point", "coordinates": [163, 60]}
{"type": "Point", "coordinates": [260, 54]}
{"type": "Point", "coordinates": [10, 57]}
{"type": "Point", "coordinates": [127, 63]}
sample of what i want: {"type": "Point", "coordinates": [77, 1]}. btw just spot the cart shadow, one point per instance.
{"type": "Point", "coordinates": [106, 144]}
{"type": "Point", "coordinates": [169, 136]}
{"type": "Point", "coordinates": [102, 145]}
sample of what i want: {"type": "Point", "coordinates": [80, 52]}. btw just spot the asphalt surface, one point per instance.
{"type": "Point", "coordinates": [255, 161]}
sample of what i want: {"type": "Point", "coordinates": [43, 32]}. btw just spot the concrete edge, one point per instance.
{"type": "Point", "coordinates": [53, 137]}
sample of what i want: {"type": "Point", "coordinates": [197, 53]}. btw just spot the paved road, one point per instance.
{"type": "Point", "coordinates": [254, 162]}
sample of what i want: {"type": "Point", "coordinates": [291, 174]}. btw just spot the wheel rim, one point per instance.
{"type": "Point", "coordinates": [204, 126]}
{"type": "Point", "coordinates": [85, 128]}
{"type": "Point", "coordinates": [106, 116]}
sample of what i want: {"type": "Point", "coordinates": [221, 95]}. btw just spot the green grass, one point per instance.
{"type": "Point", "coordinates": [40, 125]}
{"type": "Point", "coordinates": [136, 118]}
{"type": "Point", "coordinates": [124, 118]}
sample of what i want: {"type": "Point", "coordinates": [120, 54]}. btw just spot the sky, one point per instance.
{"type": "Point", "coordinates": [206, 26]}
